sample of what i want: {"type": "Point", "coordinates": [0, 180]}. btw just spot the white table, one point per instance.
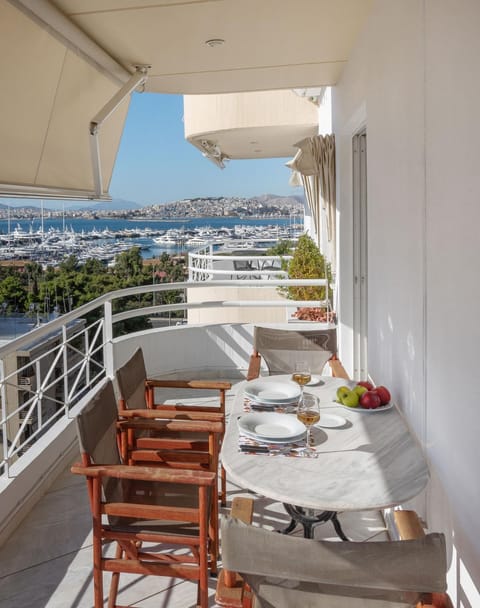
{"type": "Point", "coordinates": [373, 462]}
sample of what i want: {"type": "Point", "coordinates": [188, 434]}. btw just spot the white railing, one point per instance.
{"type": "Point", "coordinates": [44, 373]}
{"type": "Point", "coordinates": [205, 265]}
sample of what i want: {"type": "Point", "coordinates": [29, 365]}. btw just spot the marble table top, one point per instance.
{"type": "Point", "coordinates": [371, 462]}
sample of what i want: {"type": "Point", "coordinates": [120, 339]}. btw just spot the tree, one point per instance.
{"type": "Point", "coordinates": [308, 263]}
{"type": "Point", "coordinates": [129, 267]}
{"type": "Point", "coordinates": [283, 247]}
{"type": "Point", "coordinates": [13, 292]}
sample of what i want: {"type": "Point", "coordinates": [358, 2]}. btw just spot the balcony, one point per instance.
{"type": "Point", "coordinates": [248, 125]}
{"type": "Point", "coordinates": [35, 465]}
{"type": "Point", "coordinates": [65, 359]}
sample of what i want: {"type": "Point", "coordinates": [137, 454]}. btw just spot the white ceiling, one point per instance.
{"type": "Point", "coordinates": [269, 44]}
{"type": "Point", "coordinates": [62, 61]}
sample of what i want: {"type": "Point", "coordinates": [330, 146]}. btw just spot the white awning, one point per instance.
{"type": "Point", "coordinates": [49, 96]}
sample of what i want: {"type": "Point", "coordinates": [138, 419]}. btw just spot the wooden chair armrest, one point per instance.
{"type": "Point", "coordinates": [200, 384]}
{"type": "Point", "coordinates": [409, 527]}
{"type": "Point", "coordinates": [166, 407]}
{"type": "Point", "coordinates": [242, 509]}
{"type": "Point", "coordinates": [338, 371]}
{"type": "Point", "coordinates": [254, 366]}
{"type": "Point", "coordinates": [231, 591]}
{"type": "Point", "coordinates": [174, 414]}
{"type": "Point", "coordinates": [140, 473]}
{"type": "Point", "coordinates": [178, 425]}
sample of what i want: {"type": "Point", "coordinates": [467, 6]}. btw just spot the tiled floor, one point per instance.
{"type": "Point", "coordinates": [47, 562]}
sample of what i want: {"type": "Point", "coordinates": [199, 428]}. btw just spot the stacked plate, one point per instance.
{"type": "Point", "coordinates": [270, 391]}
{"type": "Point", "coordinates": [272, 427]}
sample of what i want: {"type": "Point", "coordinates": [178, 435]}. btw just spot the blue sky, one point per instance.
{"type": "Point", "coordinates": [155, 164]}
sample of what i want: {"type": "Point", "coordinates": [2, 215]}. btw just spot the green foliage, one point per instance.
{"type": "Point", "coordinates": [308, 263]}
{"type": "Point", "coordinates": [13, 292]}
{"type": "Point", "coordinates": [283, 247]}
{"type": "Point", "coordinates": [128, 267]}
{"type": "Point", "coordinates": [73, 284]}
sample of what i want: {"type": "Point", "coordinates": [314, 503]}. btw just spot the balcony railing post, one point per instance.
{"type": "Point", "coordinates": [39, 393]}
{"type": "Point", "coordinates": [108, 339]}
{"type": "Point", "coordinates": [65, 369]}
{"type": "Point", "coordinates": [3, 410]}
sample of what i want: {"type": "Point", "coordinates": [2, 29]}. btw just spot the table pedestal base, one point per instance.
{"type": "Point", "coordinates": [308, 518]}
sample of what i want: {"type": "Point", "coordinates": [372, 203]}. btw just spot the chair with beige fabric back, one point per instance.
{"type": "Point", "coordinates": [281, 346]}
{"type": "Point", "coordinates": [285, 571]}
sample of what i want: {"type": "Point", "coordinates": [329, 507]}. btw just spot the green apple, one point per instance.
{"type": "Point", "coordinates": [341, 392]}
{"type": "Point", "coordinates": [351, 399]}
{"type": "Point", "coordinates": [359, 389]}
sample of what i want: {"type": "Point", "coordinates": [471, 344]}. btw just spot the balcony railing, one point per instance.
{"type": "Point", "coordinates": [45, 373]}
{"type": "Point", "coordinates": [205, 265]}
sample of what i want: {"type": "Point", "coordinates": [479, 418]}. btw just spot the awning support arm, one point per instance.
{"type": "Point", "coordinates": [137, 79]}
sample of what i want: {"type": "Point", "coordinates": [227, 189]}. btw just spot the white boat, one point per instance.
{"type": "Point", "coordinates": [171, 238]}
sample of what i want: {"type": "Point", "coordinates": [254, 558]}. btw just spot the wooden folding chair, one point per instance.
{"type": "Point", "coordinates": [149, 512]}
{"type": "Point", "coordinates": [175, 444]}
{"type": "Point", "coordinates": [281, 347]}
{"type": "Point", "coordinates": [137, 394]}
{"type": "Point", "coordinates": [285, 571]}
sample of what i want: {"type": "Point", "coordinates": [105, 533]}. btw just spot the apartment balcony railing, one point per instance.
{"type": "Point", "coordinates": [46, 372]}
{"type": "Point", "coordinates": [205, 265]}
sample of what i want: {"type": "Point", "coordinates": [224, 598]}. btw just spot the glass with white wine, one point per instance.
{"type": "Point", "coordinates": [308, 412]}
{"type": "Point", "coordinates": [302, 375]}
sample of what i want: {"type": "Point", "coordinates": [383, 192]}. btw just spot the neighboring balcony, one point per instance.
{"type": "Point", "coordinates": [248, 125]}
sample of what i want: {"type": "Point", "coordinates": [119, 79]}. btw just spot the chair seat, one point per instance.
{"type": "Point", "coordinates": [157, 526]}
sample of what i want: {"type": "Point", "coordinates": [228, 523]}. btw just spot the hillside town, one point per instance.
{"type": "Point", "coordinates": [265, 206]}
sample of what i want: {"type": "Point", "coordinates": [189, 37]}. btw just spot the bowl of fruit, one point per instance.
{"type": "Point", "coordinates": [365, 397]}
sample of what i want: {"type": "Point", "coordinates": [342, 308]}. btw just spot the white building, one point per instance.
{"type": "Point", "coordinates": [405, 90]}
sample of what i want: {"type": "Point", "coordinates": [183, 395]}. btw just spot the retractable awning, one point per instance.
{"type": "Point", "coordinates": [50, 93]}
{"type": "Point", "coordinates": [64, 62]}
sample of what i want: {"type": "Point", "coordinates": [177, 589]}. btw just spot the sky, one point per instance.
{"type": "Point", "coordinates": [155, 164]}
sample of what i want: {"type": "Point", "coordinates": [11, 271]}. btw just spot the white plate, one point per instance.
{"type": "Point", "coordinates": [272, 391]}
{"type": "Point", "coordinates": [275, 440]}
{"type": "Point", "coordinates": [314, 381]}
{"type": "Point", "coordinates": [359, 408]}
{"type": "Point", "coordinates": [330, 421]}
{"type": "Point", "coordinates": [271, 425]}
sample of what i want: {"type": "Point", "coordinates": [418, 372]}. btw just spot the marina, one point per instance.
{"type": "Point", "coordinates": [104, 239]}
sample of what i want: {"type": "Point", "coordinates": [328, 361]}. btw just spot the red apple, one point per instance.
{"type": "Point", "coordinates": [366, 384]}
{"type": "Point", "coordinates": [384, 394]}
{"type": "Point", "coordinates": [370, 400]}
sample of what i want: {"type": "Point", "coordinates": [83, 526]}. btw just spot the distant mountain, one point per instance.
{"type": "Point", "coordinates": [277, 200]}
{"type": "Point", "coordinates": [117, 204]}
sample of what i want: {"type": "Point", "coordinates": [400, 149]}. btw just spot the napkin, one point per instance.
{"type": "Point", "coordinates": [247, 445]}
{"type": "Point", "coordinates": [254, 406]}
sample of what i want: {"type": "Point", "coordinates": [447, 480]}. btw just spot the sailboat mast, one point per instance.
{"type": "Point", "coordinates": [42, 220]}
{"type": "Point", "coordinates": [9, 231]}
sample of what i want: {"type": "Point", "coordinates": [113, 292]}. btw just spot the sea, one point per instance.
{"type": "Point", "coordinates": [149, 248]}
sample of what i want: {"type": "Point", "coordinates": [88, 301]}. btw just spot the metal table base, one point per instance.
{"type": "Point", "coordinates": [308, 518]}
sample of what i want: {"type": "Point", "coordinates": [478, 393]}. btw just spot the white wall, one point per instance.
{"type": "Point", "coordinates": [413, 79]}
{"type": "Point", "coordinates": [206, 351]}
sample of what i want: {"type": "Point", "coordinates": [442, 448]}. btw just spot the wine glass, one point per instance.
{"type": "Point", "coordinates": [308, 412]}
{"type": "Point", "coordinates": [302, 375]}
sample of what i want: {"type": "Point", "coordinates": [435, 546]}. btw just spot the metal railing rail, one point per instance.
{"type": "Point", "coordinates": [44, 373]}
{"type": "Point", "coordinates": [201, 264]}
